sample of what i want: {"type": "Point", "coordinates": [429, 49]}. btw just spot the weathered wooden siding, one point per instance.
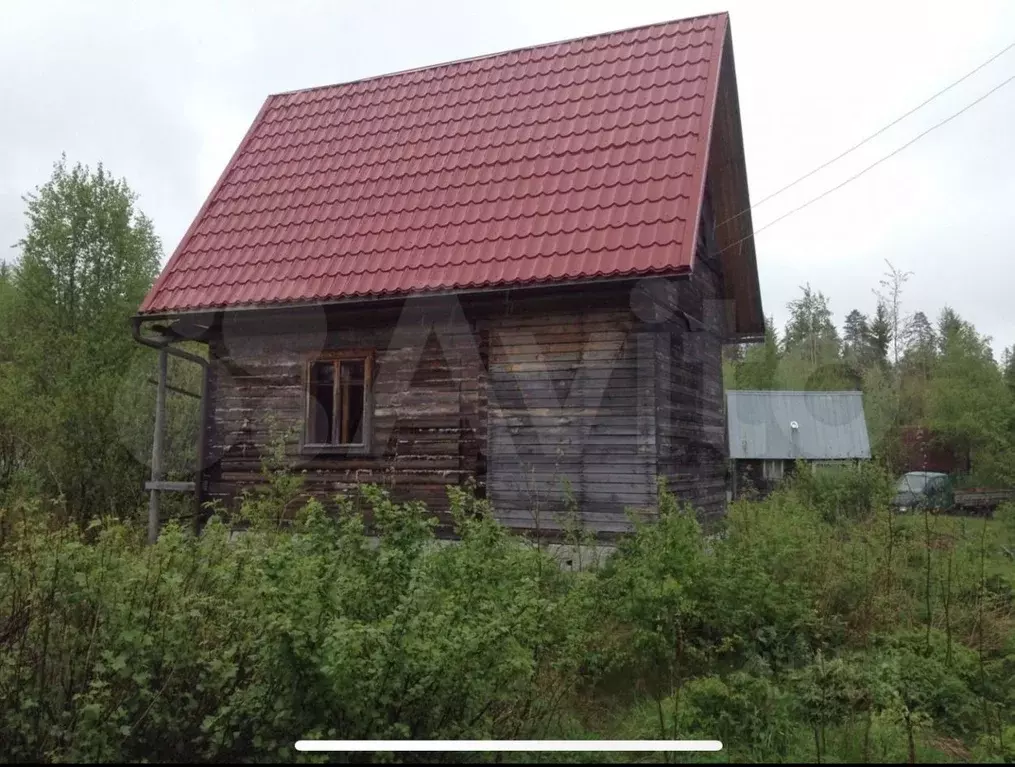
{"type": "Point", "coordinates": [690, 414]}
{"type": "Point", "coordinates": [427, 425]}
{"type": "Point", "coordinates": [524, 394]}
{"type": "Point", "coordinates": [571, 404]}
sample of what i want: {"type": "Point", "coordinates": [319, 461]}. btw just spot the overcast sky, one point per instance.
{"type": "Point", "coordinates": [161, 94]}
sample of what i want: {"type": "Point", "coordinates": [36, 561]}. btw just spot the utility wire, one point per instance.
{"type": "Point", "coordinates": [874, 135]}
{"type": "Point", "coordinates": [870, 167]}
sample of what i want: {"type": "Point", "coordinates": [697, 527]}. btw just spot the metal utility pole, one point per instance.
{"type": "Point", "coordinates": [157, 443]}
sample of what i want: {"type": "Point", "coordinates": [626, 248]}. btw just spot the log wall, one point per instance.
{"type": "Point", "coordinates": [426, 428]}
{"type": "Point", "coordinates": [528, 395]}
{"type": "Point", "coordinates": [691, 420]}
{"type": "Point", "coordinates": [571, 406]}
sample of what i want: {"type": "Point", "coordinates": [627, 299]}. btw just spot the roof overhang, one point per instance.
{"type": "Point", "coordinates": [727, 173]}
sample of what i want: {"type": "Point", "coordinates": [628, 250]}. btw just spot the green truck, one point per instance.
{"type": "Point", "coordinates": [918, 490]}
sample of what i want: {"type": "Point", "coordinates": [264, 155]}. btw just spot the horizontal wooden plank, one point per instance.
{"type": "Point", "coordinates": [619, 369]}
{"type": "Point", "coordinates": [552, 485]}
{"type": "Point", "coordinates": [592, 513]}
{"type": "Point", "coordinates": [601, 463]}
{"type": "Point", "coordinates": [623, 453]}
{"type": "Point", "coordinates": [170, 486]}
{"type": "Point", "coordinates": [585, 492]}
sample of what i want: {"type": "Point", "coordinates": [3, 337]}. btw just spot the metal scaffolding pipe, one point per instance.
{"type": "Point", "coordinates": [163, 345]}
{"type": "Point", "coordinates": [157, 445]}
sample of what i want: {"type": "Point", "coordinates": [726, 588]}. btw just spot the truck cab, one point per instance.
{"type": "Point", "coordinates": [918, 490]}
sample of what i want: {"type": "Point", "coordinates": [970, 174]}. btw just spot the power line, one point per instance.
{"type": "Point", "coordinates": [874, 135]}
{"type": "Point", "coordinates": [870, 167]}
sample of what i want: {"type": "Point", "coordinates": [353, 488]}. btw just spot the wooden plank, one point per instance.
{"type": "Point", "coordinates": [171, 486]}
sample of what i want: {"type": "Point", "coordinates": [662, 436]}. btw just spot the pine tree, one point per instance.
{"type": "Point", "coordinates": [880, 334]}
{"type": "Point", "coordinates": [920, 344]}
{"type": "Point", "coordinates": [916, 367]}
{"type": "Point", "coordinates": [949, 327]}
{"type": "Point", "coordinates": [856, 338]}
{"type": "Point", "coordinates": [1008, 365]}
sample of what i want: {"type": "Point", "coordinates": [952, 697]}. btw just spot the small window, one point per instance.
{"type": "Point", "coordinates": [338, 401]}
{"type": "Point", "coordinates": [772, 470]}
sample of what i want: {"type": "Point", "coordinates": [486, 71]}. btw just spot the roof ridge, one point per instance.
{"type": "Point", "coordinates": [480, 57]}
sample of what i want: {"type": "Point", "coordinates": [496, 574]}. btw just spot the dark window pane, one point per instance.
{"type": "Point", "coordinates": [323, 373]}
{"type": "Point", "coordinates": [355, 414]}
{"type": "Point", "coordinates": [322, 402]}
{"type": "Point", "coordinates": [353, 371]}
{"type": "Point", "coordinates": [352, 398]}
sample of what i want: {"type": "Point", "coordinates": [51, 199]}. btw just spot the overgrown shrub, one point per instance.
{"type": "Point", "coordinates": [793, 634]}
{"type": "Point", "coordinates": [233, 649]}
{"type": "Point", "coordinates": [847, 492]}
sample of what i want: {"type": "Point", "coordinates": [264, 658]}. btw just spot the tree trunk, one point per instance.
{"type": "Point", "coordinates": [867, 738]}
{"type": "Point", "coordinates": [912, 742]}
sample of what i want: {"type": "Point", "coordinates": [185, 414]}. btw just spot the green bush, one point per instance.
{"type": "Point", "coordinates": [792, 634]}
{"type": "Point", "coordinates": [850, 492]}
{"type": "Point", "coordinates": [746, 711]}
{"type": "Point", "coordinates": [231, 649]}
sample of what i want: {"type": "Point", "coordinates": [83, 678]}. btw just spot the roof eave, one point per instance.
{"type": "Point", "coordinates": [382, 298]}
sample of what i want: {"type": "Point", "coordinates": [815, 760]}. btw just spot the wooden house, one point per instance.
{"type": "Point", "coordinates": [516, 269]}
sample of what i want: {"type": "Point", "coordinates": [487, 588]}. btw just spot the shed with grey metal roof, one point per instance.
{"type": "Point", "coordinates": [810, 425]}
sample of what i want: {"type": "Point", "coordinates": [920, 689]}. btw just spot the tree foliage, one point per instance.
{"type": "Point", "coordinates": [881, 335]}
{"type": "Point", "coordinates": [758, 366]}
{"type": "Point", "coordinates": [87, 258]}
{"type": "Point", "coordinates": [810, 332]}
{"type": "Point", "coordinates": [944, 378]}
{"type": "Point", "coordinates": [969, 403]}
{"type": "Point", "coordinates": [856, 338]}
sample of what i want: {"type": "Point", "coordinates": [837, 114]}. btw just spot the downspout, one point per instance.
{"type": "Point", "coordinates": [166, 345]}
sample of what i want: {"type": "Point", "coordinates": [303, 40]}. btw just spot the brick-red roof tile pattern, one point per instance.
{"type": "Point", "coordinates": [570, 161]}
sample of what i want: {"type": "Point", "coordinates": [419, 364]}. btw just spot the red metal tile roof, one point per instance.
{"type": "Point", "coordinates": [575, 160]}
